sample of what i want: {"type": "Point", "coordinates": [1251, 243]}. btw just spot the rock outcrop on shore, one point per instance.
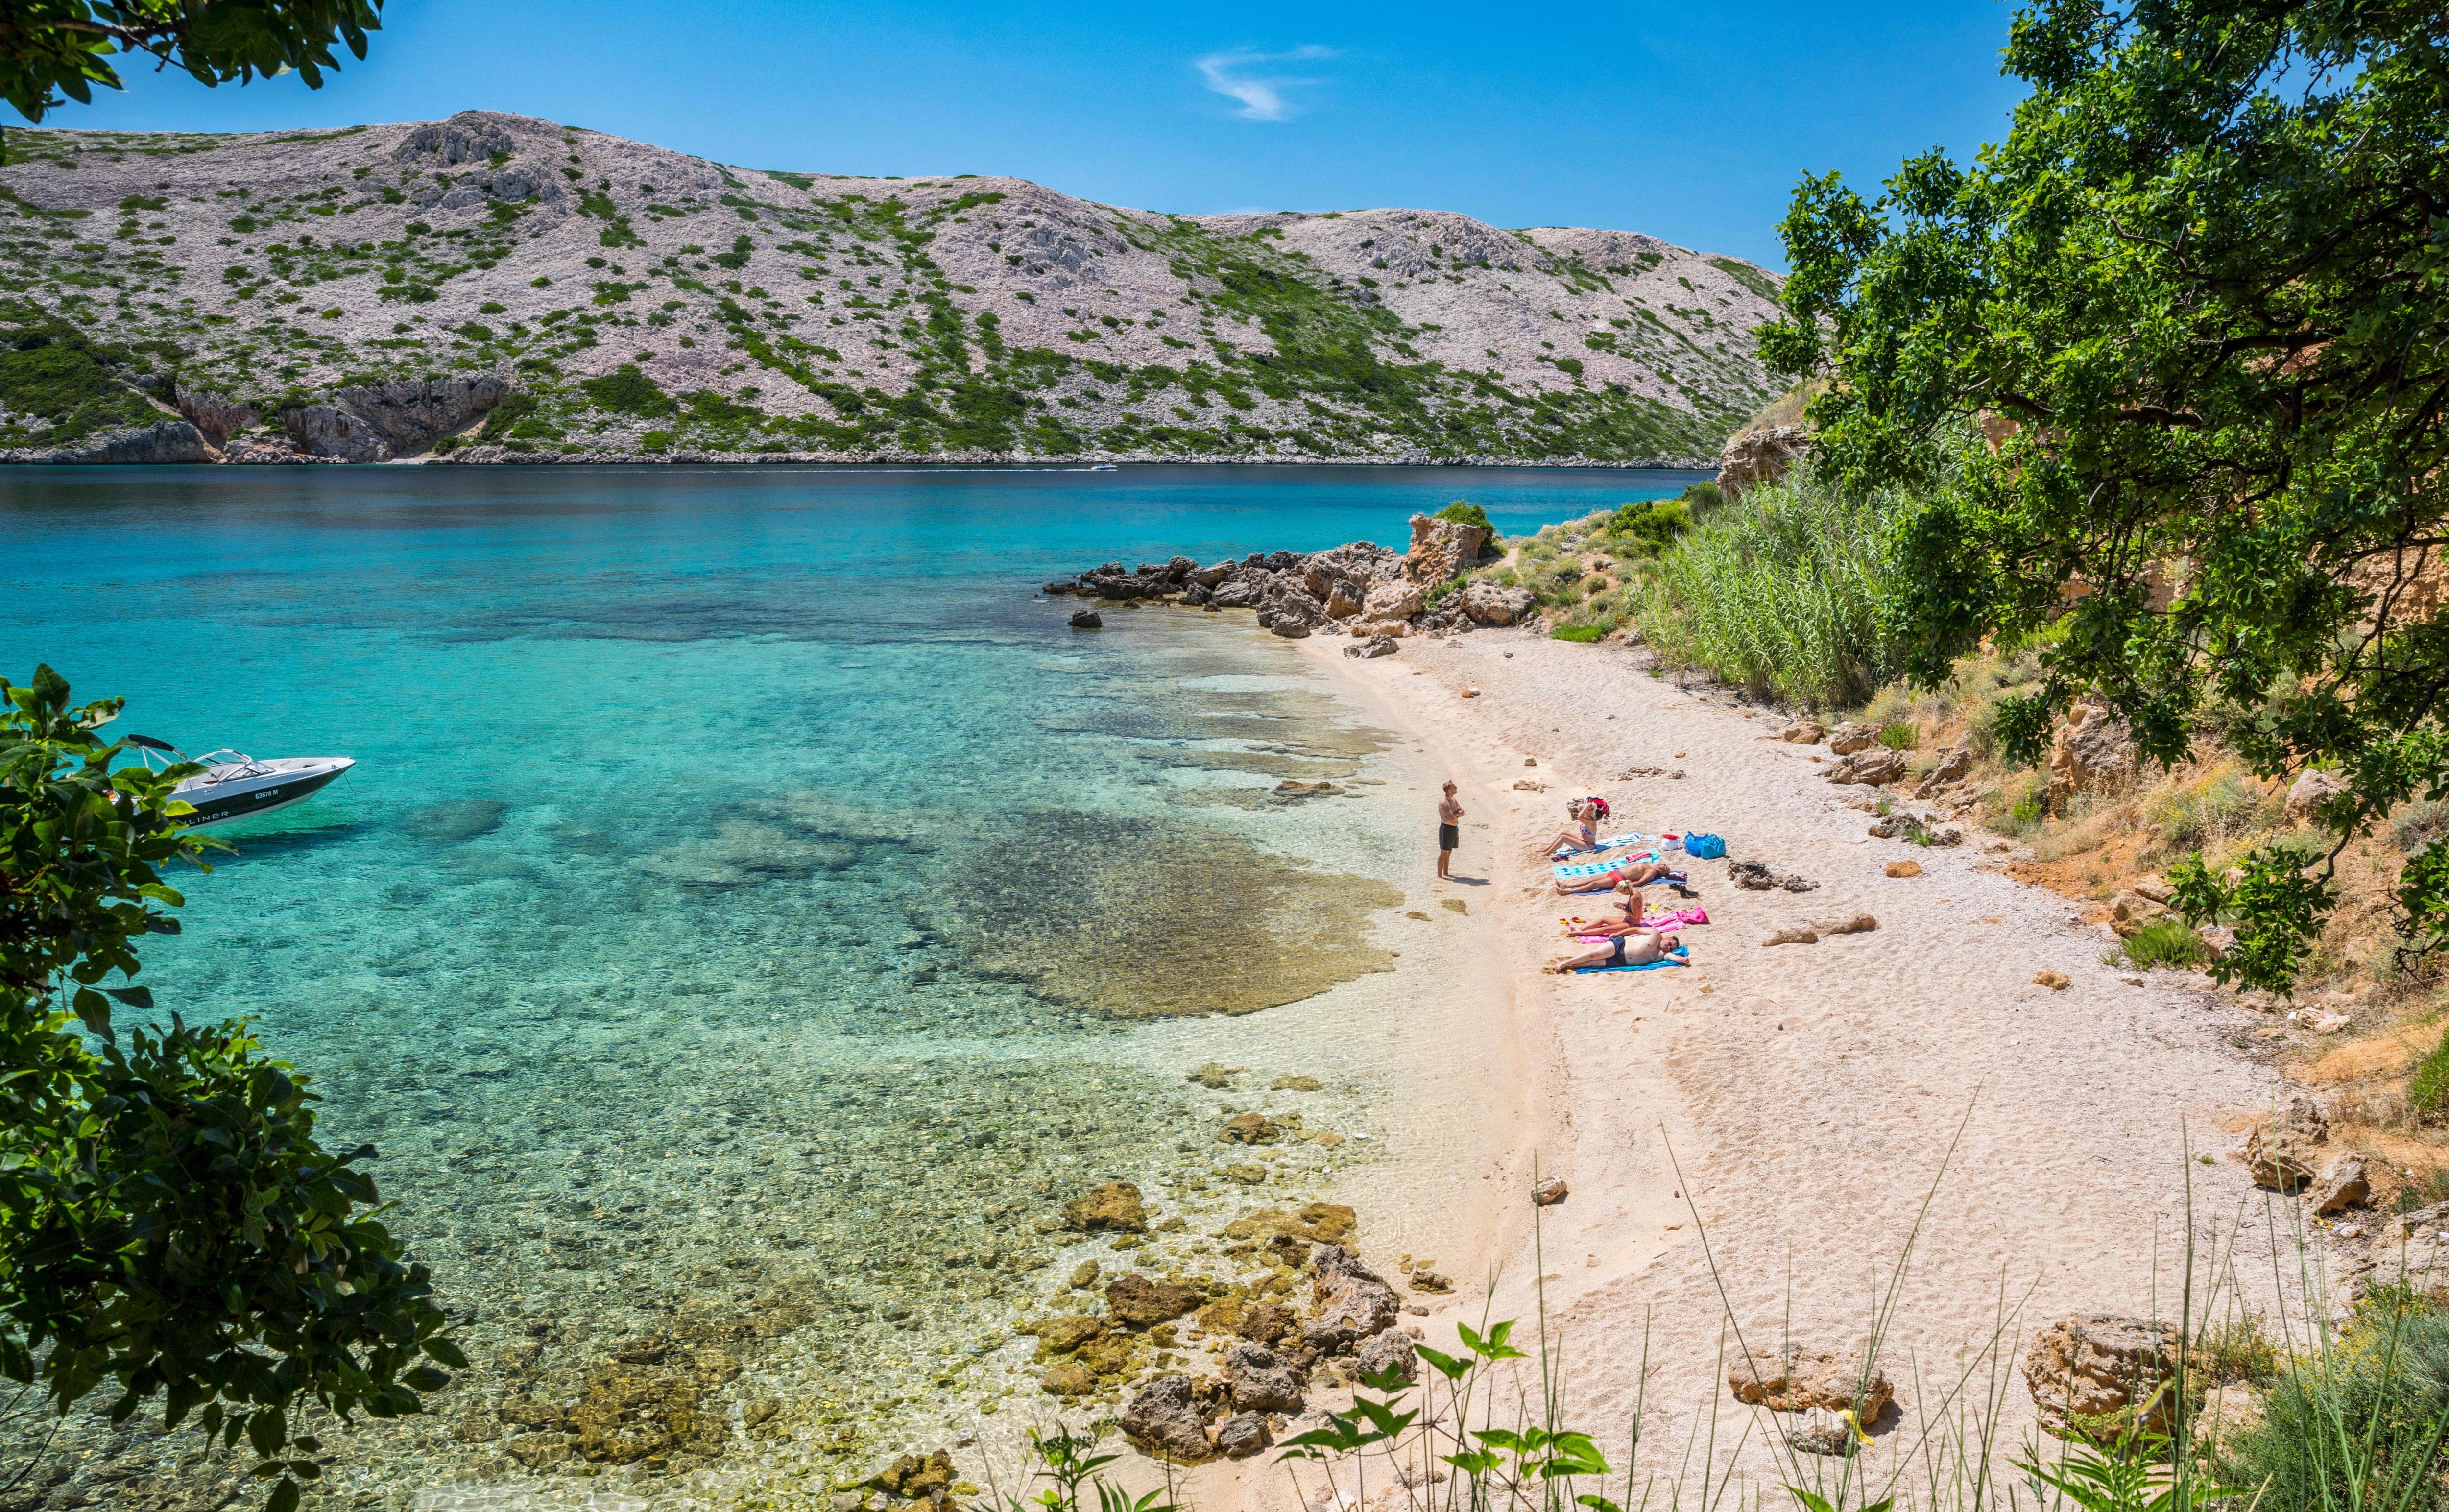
{"type": "Point", "coordinates": [1369, 592]}
{"type": "Point", "coordinates": [645, 305]}
{"type": "Point", "coordinates": [1354, 1327]}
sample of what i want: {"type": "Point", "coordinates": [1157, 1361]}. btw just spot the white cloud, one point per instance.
{"type": "Point", "coordinates": [1253, 79]}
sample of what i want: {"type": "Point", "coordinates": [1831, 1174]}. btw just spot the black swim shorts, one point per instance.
{"type": "Point", "coordinates": [1448, 837]}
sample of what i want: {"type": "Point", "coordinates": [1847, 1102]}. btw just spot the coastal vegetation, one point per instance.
{"type": "Point", "coordinates": [57, 385]}
{"type": "Point", "coordinates": [1783, 593]}
{"type": "Point", "coordinates": [170, 1227]}
{"type": "Point", "coordinates": [2194, 302]}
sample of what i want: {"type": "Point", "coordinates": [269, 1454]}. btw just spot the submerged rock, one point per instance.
{"type": "Point", "coordinates": [1251, 1129]}
{"type": "Point", "coordinates": [1139, 1303]}
{"type": "Point", "coordinates": [1266, 1323]}
{"type": "Point", "coordinates": [1112, 1208]}
{"type": "Point", "coordinates": [460, 819]}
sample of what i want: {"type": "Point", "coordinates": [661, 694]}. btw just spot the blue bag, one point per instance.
{"type": "Point", "coordinates": [1704, 847]}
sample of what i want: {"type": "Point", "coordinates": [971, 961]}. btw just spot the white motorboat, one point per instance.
{"type": "Point", "coordinates": [236, 785]}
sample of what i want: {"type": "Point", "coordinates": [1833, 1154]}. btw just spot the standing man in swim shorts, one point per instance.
{"type": "Point", "coordinates": [1449, 831]}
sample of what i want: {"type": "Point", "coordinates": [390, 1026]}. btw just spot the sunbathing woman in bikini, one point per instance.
{"type": "Point", "coordinates": [1628, 908]}
{"type": "Point", "coordinates": [1638, 948]}
{"type": "Point", "coordinates": [1582, 833]}
{"type": "Point", "coordinates": [1648, 871]}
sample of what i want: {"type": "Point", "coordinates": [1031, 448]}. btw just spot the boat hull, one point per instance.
{"type": "Point", "coordinates": [226, 803]}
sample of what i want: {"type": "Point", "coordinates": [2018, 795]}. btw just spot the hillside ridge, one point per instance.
{"type": "Point", "coordinates": [497, 288]}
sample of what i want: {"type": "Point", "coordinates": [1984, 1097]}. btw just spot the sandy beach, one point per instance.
{"type": "Point", "coordinates": [1813, 1097]}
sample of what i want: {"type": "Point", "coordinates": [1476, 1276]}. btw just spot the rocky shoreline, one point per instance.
{"type": "Point", "coordinates": [173, 441]}
{"type": "Point", "coordinates": [1371, 592]}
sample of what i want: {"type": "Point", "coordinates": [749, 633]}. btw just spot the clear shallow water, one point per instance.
{"type": "Point", "coordinates": [732, 933]}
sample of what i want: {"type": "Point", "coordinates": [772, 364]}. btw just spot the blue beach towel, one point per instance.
{"type": "Point", "coordinates": [1680, 956]}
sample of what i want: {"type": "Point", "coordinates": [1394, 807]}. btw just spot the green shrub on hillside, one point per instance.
{"type": "Point", "coordinates": [2166, 943]}
{"type": "Point", "coordinates": [629, 391]}
{"type": "Point", "coordinates": [50, 372]}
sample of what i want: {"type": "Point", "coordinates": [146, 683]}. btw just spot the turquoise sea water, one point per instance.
{"type": "Point", "coordinates": [736, 925]}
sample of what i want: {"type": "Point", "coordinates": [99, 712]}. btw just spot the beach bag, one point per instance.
{"type": "Point", "coordinates": [1704, 847]}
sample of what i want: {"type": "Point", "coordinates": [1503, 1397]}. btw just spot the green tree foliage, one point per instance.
{"type": "Point", "coordinates": [2205, 282]}
{"type": "Point", "coordinates": [168, 1224]}
{"type": "Point", "coordinates": [1463, 512]}
{"type": "Point", "coordinates": [51, 48]}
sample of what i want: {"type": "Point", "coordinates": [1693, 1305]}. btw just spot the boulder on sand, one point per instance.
{"type": "Point", "coordinates": [1353, 1303]}
{"type": "Point", "coordinates": [2091, 1374]}
{"type": "Point", "coordinates": [1394, 600]}
{"type": "Point", "coordinates": [1870, 767]}
{"type": "Point", "coordinates": [2284, 1151]}
{"type": "Point", "coordinates": [2343, 1182]}
{"type": "Point", "coordinates": [1799, 1377]}
{"type": "Point", "coordinates": [1259, 1380]}
{"type": "Point", "coordinates": [1441, 549]}
{"type": "Point", "coordinates": [1389, 1350]}
{"type": "Point", "coordinates": [1164, 1419]}
{"type": "Point", "coordinates": [1243, 1435]}
{"type": "Point", "coordinates": [1487, 604]}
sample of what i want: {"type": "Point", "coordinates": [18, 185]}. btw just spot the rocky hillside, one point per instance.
{"type": "Point", "coordinates": [495, 288]}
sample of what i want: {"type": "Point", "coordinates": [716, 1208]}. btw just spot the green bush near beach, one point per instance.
{"type": "Point", "coordinates": [2427, 1090]}
{"type": "Point", "coordinates": [2166, 943]}
{"type": "Point", "coordinates": [2359, 1422]}
{"type": "Point", "coordinates": [1782, 593]}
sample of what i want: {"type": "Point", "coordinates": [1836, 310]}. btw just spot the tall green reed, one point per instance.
{"type": "Point", "coordinates": [1782, 593]}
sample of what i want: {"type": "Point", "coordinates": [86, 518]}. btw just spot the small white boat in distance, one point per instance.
{"type": "Point", "coordinates": [235, 786]}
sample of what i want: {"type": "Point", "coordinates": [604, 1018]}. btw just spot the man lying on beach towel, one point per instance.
{"type": "Point", "coordinates": [1638, 948]}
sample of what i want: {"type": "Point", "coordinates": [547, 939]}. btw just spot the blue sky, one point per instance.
{"type": "Point", "coordinates": [1689, 122]}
